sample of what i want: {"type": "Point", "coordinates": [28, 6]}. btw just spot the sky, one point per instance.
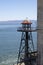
{"type": "Point", "coordinates": [18, 9]}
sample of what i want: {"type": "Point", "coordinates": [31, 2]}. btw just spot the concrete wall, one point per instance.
{"type": "Point", "coordinates": [40, 32]}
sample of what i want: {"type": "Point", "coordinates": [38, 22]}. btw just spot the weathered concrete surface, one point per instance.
{"type": "Point", "coordinates": [40, 32]}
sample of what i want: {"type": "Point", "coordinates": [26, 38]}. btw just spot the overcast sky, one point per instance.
{"type": "Point", "coordinates": [18, 9]}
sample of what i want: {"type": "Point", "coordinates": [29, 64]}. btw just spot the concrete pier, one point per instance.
{"type": "Point", "coordinates": [40, 32]}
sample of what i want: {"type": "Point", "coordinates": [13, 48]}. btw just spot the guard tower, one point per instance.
{"type": "Point", "coordinates": [27, 54]}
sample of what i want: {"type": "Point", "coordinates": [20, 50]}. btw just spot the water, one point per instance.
{"type": "Point", "coordinates": [10, 41]}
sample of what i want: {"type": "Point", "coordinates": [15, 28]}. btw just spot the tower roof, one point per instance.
{"type": "Point", "coordinates": [26, 22]}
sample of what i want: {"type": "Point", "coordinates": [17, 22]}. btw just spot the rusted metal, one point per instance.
{"type": "Point", "coordinates": [26, 22]}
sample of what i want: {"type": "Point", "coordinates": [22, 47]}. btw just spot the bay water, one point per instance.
{"type": "Point", "coordinates": [10, 41]}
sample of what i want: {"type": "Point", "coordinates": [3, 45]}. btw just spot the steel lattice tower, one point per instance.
{"type": "Point", "coordinates": [26, 55]}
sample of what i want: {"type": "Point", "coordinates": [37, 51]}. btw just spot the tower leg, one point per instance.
{"type": "Point", "coordinates": [26, 48]}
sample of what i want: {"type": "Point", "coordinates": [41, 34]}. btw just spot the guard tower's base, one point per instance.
{"type": "Point", "coordinates": [21, 64]}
